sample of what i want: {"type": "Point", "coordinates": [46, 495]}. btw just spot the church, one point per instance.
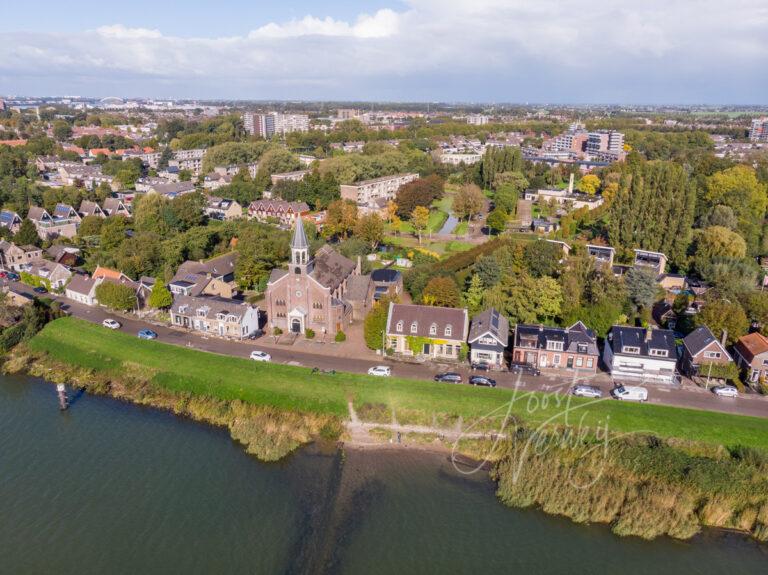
{"type": "Point", "coordinates": [310, 294]}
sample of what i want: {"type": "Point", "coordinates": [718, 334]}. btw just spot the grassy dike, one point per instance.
{"type": "Point", "coordinates": [665, 470]}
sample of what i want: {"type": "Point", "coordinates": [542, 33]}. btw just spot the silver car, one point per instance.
{"type": "Point", "coordinates": [725, 391]}
{"type": "Point", "coordinates": [586, 391]}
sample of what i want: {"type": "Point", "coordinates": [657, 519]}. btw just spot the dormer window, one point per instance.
{"type": "Point", "coordinates": [448, 330]}
{"type": "Point", "coordinates": [433, 329]}
{"type": "Point", "coordinates": [554, 345]}
{"type": "Point", "coordinates": [630, 349]}
{"type": "Point", "coordinates": [581, 348]}
{"type": "Point", "coordinates": [658, 352]}
{"type": "Point", "coordinates": [414, 327]}
{"type": "Point", "coordinates": [399, 326]}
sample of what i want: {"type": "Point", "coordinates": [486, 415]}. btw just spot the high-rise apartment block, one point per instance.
{"type": "Point", "coordinates": [606, 144]}
{"type": "Point", "coordinates": [267, 125]}
{"type": "Point", "coordinates": [477, 120]}
{"type": "Point", "coordinates": [759, 130]}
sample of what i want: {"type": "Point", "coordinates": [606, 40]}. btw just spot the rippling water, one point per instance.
{"type": "Point", "coordinates": [112, 488]}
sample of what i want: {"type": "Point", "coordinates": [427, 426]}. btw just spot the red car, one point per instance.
{"type": "Point", "coordinates": [3, 274]}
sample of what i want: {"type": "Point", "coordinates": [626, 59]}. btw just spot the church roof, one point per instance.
{"type": "Point", "coordinates": [299, 241]}
{"type": "Point", "coordinates": [331, 268]}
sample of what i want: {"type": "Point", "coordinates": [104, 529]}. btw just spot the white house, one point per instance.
{"type": "Point", "coordinates": [641, 354]}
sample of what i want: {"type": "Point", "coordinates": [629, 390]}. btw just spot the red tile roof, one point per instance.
{"type": "Point", "coordinates": [13, 143]}
{"type": "Point", "coordinates": [751, 345]}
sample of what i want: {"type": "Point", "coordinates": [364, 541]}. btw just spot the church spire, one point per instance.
{"type": "Point", "coordinates": [299, 247]}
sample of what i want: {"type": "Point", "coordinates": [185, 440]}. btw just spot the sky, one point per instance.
{"type": "Point", "coordinates": [542, 51]}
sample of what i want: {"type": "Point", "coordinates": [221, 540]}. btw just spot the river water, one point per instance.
{"type": "Point", "coordinates": [111, 488]}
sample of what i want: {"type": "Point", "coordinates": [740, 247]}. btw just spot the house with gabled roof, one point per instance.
{"type": "Point", "coordinates": [65, 212]}
{"type": "Point", "coordinates": [427, 331]}
{"type": "Point", "coordinates": [116, 207]}
{"type": "Point", "coordinates": [571, 348]}
{"type": "Point", "coordinates": [287, 213]}
{"type": "Point", "coordinates": [223, 209]}
{"type": "Point", "coordinates": [215, 276]}
{"type": "Point", "coordinates": [11, 220]}
{"type": "Point", "coordinates": [702, 348]}
{"type": "Point", "coordinates": [49, 227]}
{"type": "Point", "coordinates": [88, 208]}
{"type": "Point", "coordinates": [751, 354]}
{"type": "Point", "coordinates": [17, 258]}
{"type": "Point", "coordinates": [488, 338]}
{"type": "Point", "coordinates": [215, 316]}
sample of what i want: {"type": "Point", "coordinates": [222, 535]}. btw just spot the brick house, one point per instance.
{"type": "Point", "coordinates": [751, 353]}
{"type": "Point", "coordinates": [285, 212]}
{"type": "Point", "coordinates": [16, 258]}
{"type": "Point", "coordinates": [574, 347]}
{"type": "Point", "coordinates": [701, 348]}
{"type": "Point", "coordinates": [434, 332]}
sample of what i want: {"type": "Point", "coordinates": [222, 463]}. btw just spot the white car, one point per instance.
{"type": "Point", "coordinates": [630, 393]}
{"type": "Point", "coordinates": [260, 356]}
{"type": "Point", "coordinates": [111, 323]}
{"type": "Point", "coordinates": [725, 391]}
{"type": "Point", "coordinates": [586, 391]}
{"type": "Point", "coordinates": [380, 371]}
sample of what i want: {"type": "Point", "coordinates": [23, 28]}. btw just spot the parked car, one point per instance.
{"type": "Point", "coordinates": [449, 377]}
{"type": "Point", "coordinates": [725, 391]}
{"type": "Point", "coordinates": [586, 391]}
{"type": "Point", "coordinates": [482, 381]}
{"type": "Point", "coordinates": [111, 323]}
{"type": "Point", "coordinates": [3, 274]}
{"type": "Point", "coordinates": [380, 371]}
{"type": "Point", "coordinates": [256, 334]}
{"type": "Point", "coordinates": [630, 393]}
{"type": "Point", "coordinates": [526, 368]}
{"type": "Point", "coordinates": [147, 334]}
{"type": "Point", "coordinates": [481, 366]}
{"type": "Point", "coordinates": [13, 276]}
{"type": "Point", "coordinates": [257, 355]}
{"type": "Point", "coordinates": [40, 289]}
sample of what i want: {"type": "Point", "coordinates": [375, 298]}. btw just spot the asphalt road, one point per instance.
{"type": "Point", "coordinates": [688, 395]}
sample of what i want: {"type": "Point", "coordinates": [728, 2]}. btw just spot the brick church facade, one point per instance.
{"type": "Point", "coordinates": [310, 293]}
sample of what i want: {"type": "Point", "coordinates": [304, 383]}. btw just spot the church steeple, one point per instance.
{"type": "Point", "coordinates": [299, 248]}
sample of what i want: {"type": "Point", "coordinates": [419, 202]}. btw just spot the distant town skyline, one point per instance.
{"type": "Point", "coordinates": [485, 51]}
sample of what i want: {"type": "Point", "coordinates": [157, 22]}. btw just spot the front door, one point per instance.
{"type": "Point", "coordinates": [296, 326]}
{"type": "Point", "coordinates": [570, 362]}
{"type": "Point", "coordinates": [427, 349]}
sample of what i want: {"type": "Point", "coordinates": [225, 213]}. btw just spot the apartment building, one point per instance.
{"type": "Point", "coordinates": [477, 120]}
{"type": "Point", "coordinates": [367, 192]}
{"type": "Point", "coordinates": [758, 132]}
{"type": "Point", "coordinates": [191, 160]}
{"type": "Point", "coordinates": [605, 145]}
{"type": "Point", "coordinates": [267, 125]}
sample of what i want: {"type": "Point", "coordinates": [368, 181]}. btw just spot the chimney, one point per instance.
{"type": "Point", "coordinates": [570, 184]}
{"type": "Point", "coordinates": [648, 333]}
{"type": "Point", "coordinates": [724, 337]}
{"type": "Point", "coordinates": [359, 268]}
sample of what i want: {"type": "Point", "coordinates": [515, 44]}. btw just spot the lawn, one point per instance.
{"type": "Point", "coordinates": [88, 345]}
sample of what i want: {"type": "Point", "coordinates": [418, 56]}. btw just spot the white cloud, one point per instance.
{"type": "Point", "coordinates": [563, 49]}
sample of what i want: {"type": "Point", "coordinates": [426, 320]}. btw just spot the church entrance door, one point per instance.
{"type": "Point", "coordinates": [296, 325]}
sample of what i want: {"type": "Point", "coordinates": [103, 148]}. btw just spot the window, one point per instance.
{"type": "Point", "coordinates": [579, 361]}
{"type": "Point", "coordinates": [590, 362]}
{"type": "Point", "coordinates": [556, 359]}
{"type": "Point", "coordinates": [448, 330]}
{"type": "Point", "coordinates": [712, 354]}
{"type": "Point", "coordinates": [399, 326]}
{"type": "Point", "coordinates": [581, 348]}
{"type": "Point", "coordinates": [414, 327]}
{"type": "Point", "coordinates": [317, 305]}
{"type": "Point", "coordinates": [433, 329]}
{"type": "Point", "coordinates": [554, 345]}
{"type": "Point", "coordinates": [630, 349]}
{"type": "Point", "coordinates": [658, 352]}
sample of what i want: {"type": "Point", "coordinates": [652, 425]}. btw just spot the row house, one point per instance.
{"type": "Point", "coordinates": [146, 184]}
{"type": "Point", "coordinates": [286, 213]}
{"type": "Point", "coordinates": [16, 258]}
{"type": "Point", "coordinates": [367, 192]}
{"type": "Point", "coordinates": [571, 348]}
{"type": "Point", "coordinates": [173, 189]}
{"type": "Point", "coordinates": [215, 181]}
{"type": "Point", "coordinates": [49, 227]}
{"type": "Point", "coordinates": [421, 330]}
{"type": "Point", "coordinates": [643, 354]}
{"type": "Point", "coordinates": [82, 287]}
{"type": "Point", "coordinates": [223, 209]}
{"type": "Point", "coordinates": [215, 316]}
{"type": "Point", "coordinates": [296, 176]}
{"type": "Point", "coordinates": [90, 176]}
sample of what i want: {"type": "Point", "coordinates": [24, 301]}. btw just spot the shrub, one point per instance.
{"type": "Point", "coordinates": [340, 336]}
{"type": "Point", "coordinates": [309, 333]}
{"type": "Point", "coordinates": [277, 331]}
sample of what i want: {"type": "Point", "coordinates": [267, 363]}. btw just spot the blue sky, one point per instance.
{"type": "Point", "coordinates": [579, 51]}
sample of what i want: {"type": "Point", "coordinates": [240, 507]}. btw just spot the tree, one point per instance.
{"type": "Point", "coordinates": [525, 299]}
{"type": "Point", "coordinates": [62, 130]}
{"type": "Point", "coordinates": [184, 175]}
{"type": "Point", "coordinates": [375, 324]}
{"type": "Point", "coordinates": [149, 214]}
{"type": "Point", "coordinates": [112, 233]}
{"type": "Point", "coordinates": [542, 258]}
{"type": "Point", "coordinates": [474, 294]}
{"type": "Point", "coordinates": [720, 315]}
{"type": "Point", "coordinates": [420, 192]}
{"type": "Point", "coordinates": [160, 297]}
{"type": "Point", "coordinates": [506, 198]}
{"type": "Point", "coordinates": [512, 181]}
{"type": "Point", "coordinates": [441, 291]}
{"type": "Point", "coordinates": [497, 220]}
{"type": "Point", "coordinates": [468, 201]}
{"type": "Point", "coordinates": [90, 226]}
{"type": "Point", "coordinates": [488, 270]}
{"type": "Point", "coordinates": [391, 210]}
{"type": "Point", "coordinates": [589, 184]}
{"type": "Point", "coordinates": [642, 287]}
{"type": "Point", "coordinates": [27, 234]}
{"type": "Point", "coordinates": [717, 241]}
{"type": "Point", "coordinates": [340, 219]}
{"type": "Point", "coordinates": [739, 189]}
{"type": "Point", "coordinates": [721, 216]}
{"type": "Point", "coordinates": [118, 297]}
{"type": "Point", "coordinates": [420, 219]}
{"type": "Point", "coordinates": [370, 229]}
